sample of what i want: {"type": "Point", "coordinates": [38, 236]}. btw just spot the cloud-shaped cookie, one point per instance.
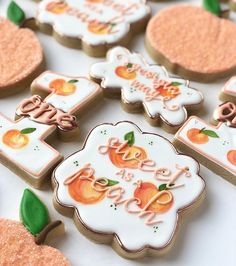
{"type": "Point", "coordinates": [126, 188]}
{"type": "Point", "coordinates": [147, 87]}
{"type": "Point", "coordinates": [90, 23]}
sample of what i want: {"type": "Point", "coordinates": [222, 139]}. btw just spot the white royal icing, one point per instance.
{"type": "Point", "coordinates": [78, 16]}
{"type": "Point", "coordinates": [85, 90]}
{"type": "Point", "coordinates": [171, 110]}
{"type": "Point", "coordinates": [230, 87]}
{"type": "Point", "coordinates": [37, 156]}
{"type": "Point", "coordinates": [104, 216]}
{"type": "Point", "coordinates": [216, 149]}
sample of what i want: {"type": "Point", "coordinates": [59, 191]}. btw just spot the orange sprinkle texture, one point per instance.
{"type": "Point", "coordinates": [17, 247]}
{"type": "Point", "coordinates": [194, 39]}
{"type": "Point", "coordinates": [20, 53]}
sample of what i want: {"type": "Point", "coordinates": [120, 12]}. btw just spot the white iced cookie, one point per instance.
{"type": "Point", "coordinates": [228, 93]}
{"type": "Point", "coordinates": [23, 146]}
{"type": "Point", "coordinates": [127, 188]}
{"type": "Point", "coordinates": [213, 146]}
{"type": "Point", "coordinates": [93, 25]}
{"type": "Point", "coordinates": [146, 87]}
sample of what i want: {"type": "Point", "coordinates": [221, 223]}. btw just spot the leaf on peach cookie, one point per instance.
{"type": "Point", "coordinates": [210, 133]}
{"type": "Point", "coordinates": [33, 213]}
{"type": "Point", "coordinates": [130, 138]}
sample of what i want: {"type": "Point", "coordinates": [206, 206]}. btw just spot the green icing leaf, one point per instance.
{"type": "Point", "coordinates": [162, 187]}
{"type": "Point", "coordinates": [209, 133]}
{"type": "Point", "coordinates": [27, 130]}
{"type": "Point", "coordinates": [110, 182]}
{"type": "Point", "coordinates": [33, 213]}
{"type": "Point", "coordinates": [175, 83]}
{"type": "Point", "coordinates": [130, 138]}
{"type": "Point", "coordinates": [15, 13]}
{"type": "Point", "coordinates": [73, 81]}
{"type": "Point", "coordinates": [129, 65]}
{"type": "Point", "coordinates": [212, 6]}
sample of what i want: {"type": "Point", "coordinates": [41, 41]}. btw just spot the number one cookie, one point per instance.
{"type": "Point", "coordinates": [146, 87]}
{"type": "Point", "coordinates": [22, 142]}
{"type": "Point", "coordinates": [214, 146]}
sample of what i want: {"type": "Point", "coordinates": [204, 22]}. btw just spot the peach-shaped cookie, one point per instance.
{"type": "Point", "coordinates": [192, 42]}
{"type": "Point", "coordinates": [21, 57]}
{"type": "Point", "coordinates": [21, 244]}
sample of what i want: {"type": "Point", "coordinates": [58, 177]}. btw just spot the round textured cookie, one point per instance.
{"type": "Point", "coordinates": [192, 42]}
{"type": "Point", "coordinates": [21, 57]}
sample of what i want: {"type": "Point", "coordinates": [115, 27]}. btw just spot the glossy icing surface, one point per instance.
{"type": "Point", "coordinates": [230, 87]}
{"type": "Point", "coordinates": [217, 144]}
{"type": "Point", "coordinates": [26, 149]}
{"type": "Point", "coordinates": [148, 84]}
{"type": "Point", "coordinates": [95, 22]}
{"type": "Point", "coordinates": [134, 171]}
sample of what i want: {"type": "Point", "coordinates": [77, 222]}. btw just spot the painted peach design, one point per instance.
{"type": "Point", "coordinates": [200, 136]}
{"type": "Point", "coordinates": [62, 87]}
{"type": "Point", "coordinates": [170, 92]}
{"type": "Point", "coordinates": [17, 139]}
{"type": "Point", "coordinates": [81, 189]}
{"type": "Point", "coordinates": [231, 156]}
{"type": "Point", "coordinates": [125, 72]}
{"type": "Point", "coordinates": [118, 161]}
{"type": "Point", "coordinates": [100, 28]}
{"type": "Point", "coordinates": [57, 7]}
{"type": "Point", "coordinates": [146, 191]}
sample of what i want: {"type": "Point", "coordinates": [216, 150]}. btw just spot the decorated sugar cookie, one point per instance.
{"type": "Point", "coordinates": [186, 40]}
{"type": "Point", "coordinates": [22, 142]}
{"type": "Point", "coordinates": [146, 87]}
{"type": "Point", "coordinates": [214, 146]}
{"type": "Point", "coordinates": [21, 243]}
{"type": "Point", "coordinates": [127, 188]}
{"type": "Point", "coordinates": [228, 93]}
{"type": "Point", "coordinates": [21, 57]}
{"type": "Point", "coordinates": [91, 25]}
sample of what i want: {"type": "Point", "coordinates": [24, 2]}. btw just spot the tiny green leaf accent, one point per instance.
{"type": "Point", "coordinates": [113, 24]}
{"type": "Point", "coordinates": [162, 187]}
{"type": "Point", "coordinates": [33, 213]}
{"type": "Point", "coordinates": [15, 13]}
{"type": "Point", "coordinates": [73, 81]}
{"type": "Point", "coordinates": [175, 83]}
{"type": "Point", "coordinates": [209, 133]}
{"type": "Point", "coordinates": [110, 182]}
{"type": "Point", "coordinates": [129, 65]}
{"type": "Point", "coordinates": [212, 6]}
{"type": "Point", "coordinates": [28, 130]}
{"type": "Point", "coordinates": [130, 138]}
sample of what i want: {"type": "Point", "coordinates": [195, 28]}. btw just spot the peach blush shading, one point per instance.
{"type": "Point", "coordinates": [20, 53]}
{"type": "Point", "coordinates": [194, 39]}
{"type": "Point", "coordinates": [17, 247]}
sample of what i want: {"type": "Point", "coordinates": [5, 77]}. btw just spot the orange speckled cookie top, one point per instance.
{"type": "Point", "coordinates": [17, 247]}
{"type": "Point", "coordinates": [20, 53]}
{"type": "Point", "coordinates": [194, 39]}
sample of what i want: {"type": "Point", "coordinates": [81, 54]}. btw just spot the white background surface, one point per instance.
{"type": "Point", "coordinates": [206, 238]}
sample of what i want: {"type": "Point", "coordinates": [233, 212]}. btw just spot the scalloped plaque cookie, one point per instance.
{"type": "Point", "coordinates": [92, 25]}
{"type": "Point", "coordinates": [21, 56]}
{"type": "Point", "coordinates": [146, 87]}
{"type": "Point", "coordinates": [22, 142]}
{"type": "Point", "coordinates": [21, 243]}
{"type": "Point", "coordinates": [186, 40]}
{"type": "Point", "coordinates": [128, 188]}
{"type": "Point", "coordinates": [213, 146]}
